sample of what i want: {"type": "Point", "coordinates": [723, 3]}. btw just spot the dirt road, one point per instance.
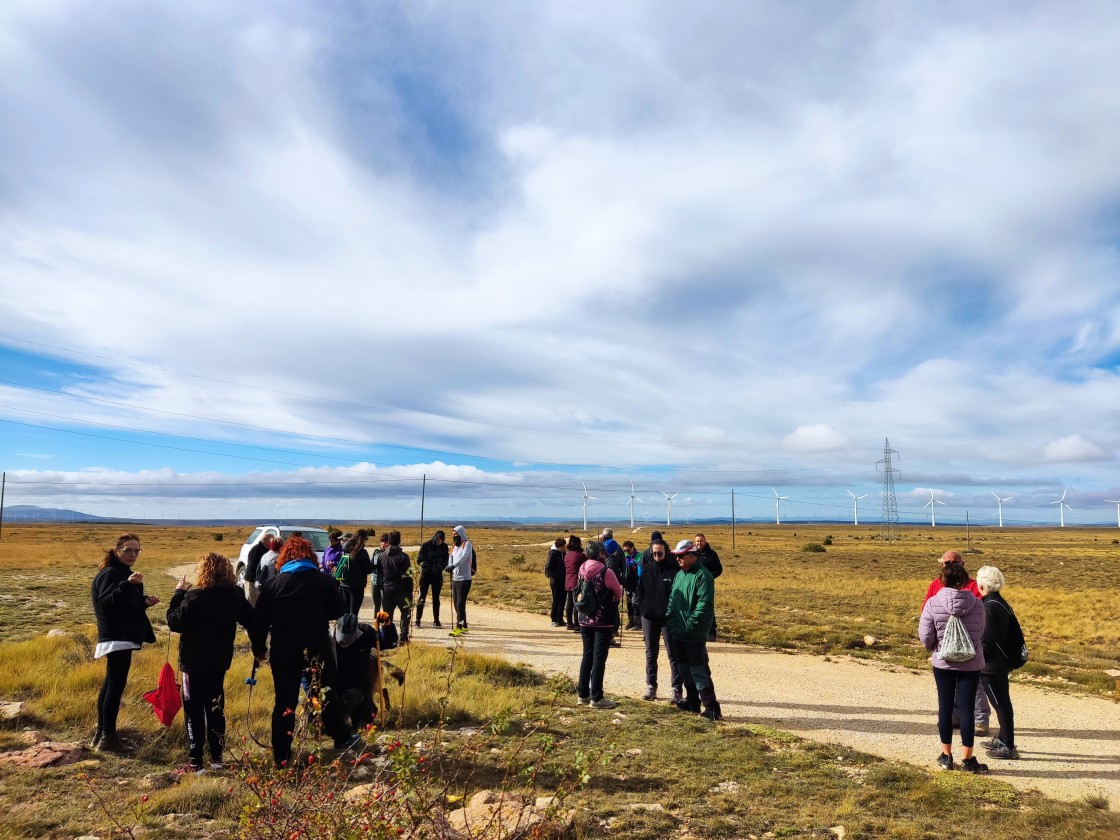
{"type": "Point", "coordinates": [1070, 745]}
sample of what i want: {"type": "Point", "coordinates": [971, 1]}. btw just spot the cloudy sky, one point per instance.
{"type": "Point", "coordinates": [264, 259]}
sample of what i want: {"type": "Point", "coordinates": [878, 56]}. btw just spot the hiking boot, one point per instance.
{"type": "Point", "coordinates": [1003, 751]}
{"type": "Point", "coordinates": [971, 765]}
{"type": "Point", "coordinates": [945, 761]}
{"type": "Point", "coordinates": [113, 744]}
{"type": "Point", "coordinates": [993, 743]}
{"type": "Point", "coordinates": [651, 693]}
{"type": "Point", "coordinates": [689, 704]}
{"type": "Point", "coordinates": [981, 728]}
{"type": "Point", "coordinates": [603, 704]}
{"type": "Point", "coordinates": [677, 697]}
{"type": "Point", "coordinates": [712, 712]}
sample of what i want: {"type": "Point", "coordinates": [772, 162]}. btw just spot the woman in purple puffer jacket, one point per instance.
{"type": "Point", "coordinates": [956, 680]}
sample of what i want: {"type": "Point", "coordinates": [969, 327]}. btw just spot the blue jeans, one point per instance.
{"type": "Point", "coordinates": [596, 645]}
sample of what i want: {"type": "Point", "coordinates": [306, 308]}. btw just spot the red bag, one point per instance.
{"type": "Point", "coordinates": [165, 698]}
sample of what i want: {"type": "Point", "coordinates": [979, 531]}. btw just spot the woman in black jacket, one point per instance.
{"type": "Point", "coordinates": [119, 606]}
{"type": "Point", "coordinates": [353, 580]}
{"type": "Point", "coordinates": [207, 620]}
{"type": "Point", "coordinates": [293, 611]}
{"type": "Point", "coordinates": [554, 570]}
{"type": "Point", "coordinates": [1001, 646]}
{"type": "Point", "coordinates": [396, 583]}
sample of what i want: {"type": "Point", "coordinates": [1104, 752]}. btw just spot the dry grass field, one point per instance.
{"type": "Point", "coordinates": [1064, 584]}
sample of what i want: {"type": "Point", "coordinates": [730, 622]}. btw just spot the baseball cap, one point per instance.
{"type": "Point", "coordinates": [684, 547]}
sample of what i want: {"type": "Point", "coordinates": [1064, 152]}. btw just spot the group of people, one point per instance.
{"type": "Point", "coordinates": [287, 608]}
{"type": "Point", "coordinates": [668, 593]}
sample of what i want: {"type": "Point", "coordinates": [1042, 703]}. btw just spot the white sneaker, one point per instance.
{"type": "Point", "coordinates": [583, 701]}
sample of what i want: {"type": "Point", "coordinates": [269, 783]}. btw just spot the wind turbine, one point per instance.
{"type": "Point", "coordinates": [855, 505]}
{"type": "Point", "coordinates": [669, 506]}
{"type": "Point", "coordinates": [932, 505]}
{"type": "Point", "coordinates": [1117, 503]}
{"type": "Point", "coordinates": [586, 498]}
{"type": "Point", "coordinates": [1000, 502]}
{"type": "Point", "coordinates": [1062, 508]}
{"type": "Point", "coordinates": [630, 504]}
{"type": "Point", "coordinates": [778, 507]}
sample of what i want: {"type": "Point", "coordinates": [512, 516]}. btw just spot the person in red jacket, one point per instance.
{"type": "Point", "coordinates": [983, 710]}
{"type": "Point", "coordinates": [573, 559]}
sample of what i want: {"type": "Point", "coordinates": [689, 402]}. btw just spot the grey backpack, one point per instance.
{"type": "Point", "coordinates": [956, 645]}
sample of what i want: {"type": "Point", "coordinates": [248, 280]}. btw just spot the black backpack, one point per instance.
{"type": "Point", "coordinates": [586, 595]}
{"type": "Point", "coordinates": [1017, 655]}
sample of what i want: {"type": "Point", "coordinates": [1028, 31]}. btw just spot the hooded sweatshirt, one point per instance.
{"type": "Point", "coordinates": [460, 563]}
{"type": "Point", "coordinates": [935, 615]}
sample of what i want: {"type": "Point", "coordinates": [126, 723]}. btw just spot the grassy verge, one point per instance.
{"type": "Point", "coordinates": [649, 770]}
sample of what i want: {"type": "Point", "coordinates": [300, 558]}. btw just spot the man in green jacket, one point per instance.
{"type": "Point", "coordinates": [688, 617]}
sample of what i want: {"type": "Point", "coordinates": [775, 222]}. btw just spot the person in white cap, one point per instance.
{"type": "Point", "coordinates": [689, 618]}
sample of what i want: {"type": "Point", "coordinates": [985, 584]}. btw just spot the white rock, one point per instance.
{"type": "Point", "coordinates": [56, 632]}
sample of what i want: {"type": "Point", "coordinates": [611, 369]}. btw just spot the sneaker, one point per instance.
{"type": "Point", "coordinates": [437, 624]}
{"type": "Point", "coordinates": [971, 765]}
{"type": "Point", "coordinates": [981, 728]}
{"type": "Point", "coordinates": [113, 744]}
{"type": "Point", "coordinates": [603, 704]}
{"type": "Point", "coordinates": [616, 642]}
{"type": "Point", "coordinates": [689, 704]}
{"type": "Point", "coordinates": [1003, 751]}
{"type": "Point", "coordinates": [632, 626]}
{"type": "Point", "coordinates": [651, 693]}
{"type": "Point", "coordinates": [677, 697]}
{"type": "Point", "coordinates": [189, 769]}
{"type": "Point", "coordinates": [945, 761]}
{"type": "Point", "coordinates": [349, 744]}
{"type": "Point", "coordinates": [417, 623]}
{"type": "Point", "coordinates": [583, 701]}
{"type": "Point", "coordinates": [993, 743]}
{"type": "Point", "coordinates": [712, 712]}
{"type": "Point", "coordinates": [558, 624]}
{"type": "Point", "coordinates": [217, 766]}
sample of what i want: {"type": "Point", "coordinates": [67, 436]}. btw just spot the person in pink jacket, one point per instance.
{"type": "Point", "coordinates": [956, 680]}
{"type": "Point", "coordinates": [597, 628]}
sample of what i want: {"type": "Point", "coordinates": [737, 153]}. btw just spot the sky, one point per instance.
{"type": "Point", "coordinates": [287, 259]}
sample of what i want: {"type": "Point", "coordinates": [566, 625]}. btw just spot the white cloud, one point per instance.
{"type": "Point", "coordinates": [1074, 448]}
{"type": "Point", "coordinates": [818, 437]}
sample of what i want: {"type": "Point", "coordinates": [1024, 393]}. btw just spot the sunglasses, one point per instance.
{"type": "Point", "coordinates": [130, 551]}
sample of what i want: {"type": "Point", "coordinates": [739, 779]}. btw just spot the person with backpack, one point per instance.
{"type": "Point", "coordinates": [982, 712]}
{"type": "Point", "coordinates": [432, 561]}
{"type": "Point", "coordinates": [629, 581]}
{"type": "Point", "coordinates": [1004, 651]}
{"type": "Point", "coordinates": [574, 558]}
{"type": "Point", "coordinates": [952, 627]}
{"type": "Point", "coordinates": [554, 571]}
{"type": "Point", "coordinates": [396, 583]}
{"type": "Point", "coordinates": [461, 564]}
{"type": "Point", "coordinates": [353, 570]}
{"type": "Point", "coordinates": [206, 618]}
{"type": "Point", "coordinates": [596, 597]}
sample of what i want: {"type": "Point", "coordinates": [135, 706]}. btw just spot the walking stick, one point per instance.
{"type": "Point", "coordinates": [378, 683]}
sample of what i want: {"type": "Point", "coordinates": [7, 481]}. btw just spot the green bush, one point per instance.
{"type": "Point", "coordinates": [814, 547]}
{"type": "Point", "coordinates": [218, 537]}
{"type": "Point", "coordinates": [827, 541]}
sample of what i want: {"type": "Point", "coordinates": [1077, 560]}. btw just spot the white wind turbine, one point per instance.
{"type": "Point", "coordinates": [630, 504]}
{"type": "Point", "coordinates": [586, 499]}
{"type": "Point", "coordinates": [932, 505]}
{"type": "Point", "coordinates": [1000, 502]}
{"type": "Point", "coordinates": [778, 507]}
{"type": "Point", "coordinates": [1117, 503]}
{"type": "Point", "coordinates": [1062, 508]}
{"type": "Point", "coordinates": [669, 506]}
{"type": "Point", "coordinates": [855, 505]}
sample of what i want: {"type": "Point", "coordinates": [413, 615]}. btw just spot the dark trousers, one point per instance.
{"type": "Point", "coordinates": [288, 663]}
{"type": "Point", "coordinates": [596, 646]}
{"type": "Point", "coordinates": [375, 588]}
{"type": "Point", "coordinates": [631, 613]}
{"type": "Point", "coordinates": [655, 634]}
{"type": "Point", "coordinates": [956, 689]}
{"type": "Point", "coordinates": [117, 664]}
{"type": "Point", "coordinates": [692, 659]}
{"type": "Point", "coordinates": [354, 598]}
{"type": "Point", "coordinates": [459, 591]}
{"type": "Point", "coordinates": [997, 688]}
{"type": "Point", "coordinates": [558, 598]}
{"type": "Point", "coordinates": [399, 599]}
{"type": "Point", "coordinates": [570, 608]}
{"type": "Point", "coordinates": [432, 581]}
{"type": "Point", "coordinates": [205, 715]}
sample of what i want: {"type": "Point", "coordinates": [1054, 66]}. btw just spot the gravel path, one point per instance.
{"type": "Point", "coordinates": [1070, 745]}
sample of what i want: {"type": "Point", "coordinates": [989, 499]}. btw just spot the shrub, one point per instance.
{"type": "Point", "coordinates": [812, 547]}
{"type": "Point", "coordinates": [827, 541]}
{"type": "Point", "coordinates": [218, 537]}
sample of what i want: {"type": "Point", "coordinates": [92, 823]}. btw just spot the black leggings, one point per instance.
{"type": "Point", "coordinates": [570, 608]}
{"type": "Point", "coordinates": [117, 664]}
{"type": "Point", "coordinates": [204, 712]}
{"type": "Point", "coordinates": [956, 688]}
{"type": "Point", "coordinates": [558, 598]}
{"type": "Point", "coordinates": [459, 592]}
{"type": "Point", "coordinates": [354, 598]}
{"type": "Point", "coordinates": [998, 690]}
{"type": "Point", "coordinates": [434, 582]}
